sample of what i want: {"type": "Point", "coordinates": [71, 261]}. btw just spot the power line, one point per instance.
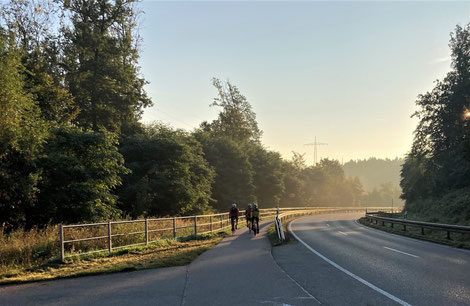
{"type": "Point", "coordinates": [315, 144]}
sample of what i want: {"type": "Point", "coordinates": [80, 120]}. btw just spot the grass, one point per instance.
{"type": "Point", "coordinates": [22, 250]}
{"type": "Point", "coordinates": [272, 233]}
{"type": "Point", "coordinates": [164, 253]}
{"type": "Point", "coordinates": [458, 240]}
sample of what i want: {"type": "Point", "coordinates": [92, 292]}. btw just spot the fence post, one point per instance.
{"type": "Point", "coordinates": [174, 227]}
{"type": "Point", "coordinates": [61, 238]}
{"type": "Point", "coordinates": [404, 227]}
{"type": "Point", "coordinates": [110, 243]}
{"type": "Point", "coordinates": [422, 230]}
{"type": "Point", "coordinates": [210, 218]}
{"type": "Point", "coordinates": [448, 235]}
{"type": "Point", "coordinates": [221, 220]}
{"type": "Point", "coordinates": [195, 225]}
{"type": "Point", "coordinates": [146, 231]}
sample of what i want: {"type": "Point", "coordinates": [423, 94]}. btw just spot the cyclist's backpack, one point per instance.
{"type": "Point", "coordinates": [255, 212]}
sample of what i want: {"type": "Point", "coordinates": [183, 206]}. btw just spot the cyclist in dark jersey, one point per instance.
{"type": "Point", "coordinates": [233, 215]}
{"type": "Point", "coordinates": [248, 218]}
{"type": "Point", "coordinates": [255, 218]}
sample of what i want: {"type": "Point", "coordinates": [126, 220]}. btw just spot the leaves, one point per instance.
{"type": "Point", "coordinates": [438, 162]}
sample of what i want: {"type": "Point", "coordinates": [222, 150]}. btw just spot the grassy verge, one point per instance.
{"type": "Point", "coordinates": [458, 240]}
{"type": "Point", "coordinates": [165, 253]}
{"type": "Point", "coordinates": [272, 233]}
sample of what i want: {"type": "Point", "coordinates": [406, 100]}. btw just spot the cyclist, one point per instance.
{"type": "Point", "coordinates": [233, 215]}
{"type": "Point", "coordinates": [248, 218]}
{"type": "Point", "coordinates": [255, 218]}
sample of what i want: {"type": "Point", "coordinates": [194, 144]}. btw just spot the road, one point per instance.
{"type": "Point", "coordinates": [238, 271]}
{"type": "Point", "coordinates": [336, 262]}
{"type": "Point", "coordinates": [341, 262]}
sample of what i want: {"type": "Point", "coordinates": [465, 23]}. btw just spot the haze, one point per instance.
{"type": "Point", "coordinates": [348, 73]}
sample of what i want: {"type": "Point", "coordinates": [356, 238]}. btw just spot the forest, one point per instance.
{"type": "Point", "coordinates": [436, 174]}
{"type": "Point", "coordinates": [380, 179]}
{"type": "Point", "coordinates": [73, 149]}
{"type": "Point", "coordinates": [435, 177]}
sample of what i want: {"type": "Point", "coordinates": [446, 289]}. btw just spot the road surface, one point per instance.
{"type": "Point", "coordinates": [238, 271]}
{"type": "Point", "coordinates": [341, 262]}
{"type": "Point", "coordinates": [335, 262]}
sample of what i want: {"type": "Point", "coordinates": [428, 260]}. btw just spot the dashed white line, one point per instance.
{"type": "Point", "coordinates": [383, 292]}
{"type": "Point", "coordinates": [401, 252]}
{"type": "Point", "coordinates": [342, 233]}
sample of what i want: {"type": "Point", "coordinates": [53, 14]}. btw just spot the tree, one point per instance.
{"type": "Point", "coordinates": [169, 174]}
{"type": "Point", "coordinates": [32, 22]}
{"type": "Point", "coordinates": [234, 173]}
{"type": "Point", "coordinates": [101, 64]}
{"type": "Point", "coordinates": [22, 132]}
{"type": "Point", "coordinates": [267, 176]}
{"type": "Point", "coordinates": [236, 120]}
{"type": "Point", "coordinates": [375, 171]}
{"type": "Point", "coordinates": [439, 160]}
{"type": "Point", "coordinates": [292, 181]}
{"type": "Point", "coordinates": [80, 170]}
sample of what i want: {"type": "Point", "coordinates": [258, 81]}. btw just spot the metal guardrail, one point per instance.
{"type": "Point", "coordinates": [283, 216]}
{"type": "Point", "coordinates": [449, 228]}
{"type": "Point", "coordinates": [113, 235]}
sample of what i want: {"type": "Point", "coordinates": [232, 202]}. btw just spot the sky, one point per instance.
{"type": "Point", "coordinates": [347, 73]}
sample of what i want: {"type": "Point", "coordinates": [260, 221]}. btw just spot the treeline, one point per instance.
{"type": "Point", "coordinates": [72, 148]}
{"type": "Point", "coordinates": [374, 172]}
{"type": "Point", "coordinates": [436, 173]}
{"type": "Point", "coordinates": [380, 178]}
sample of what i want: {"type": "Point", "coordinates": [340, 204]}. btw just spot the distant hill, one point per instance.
{"type": "Point", "coordinates": [374, 172]}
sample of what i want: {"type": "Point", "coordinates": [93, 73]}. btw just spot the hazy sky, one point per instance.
{"type": "Point", "coordinates": [346, 72]}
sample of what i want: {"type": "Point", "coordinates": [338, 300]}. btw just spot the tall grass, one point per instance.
{"type": "Point", "coordinates": [22, 249]}
{"type": "Point", "coordinates": [26, 250]}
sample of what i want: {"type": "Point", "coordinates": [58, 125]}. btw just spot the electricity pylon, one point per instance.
{"type": "Point", "coordinates": [315, 144]}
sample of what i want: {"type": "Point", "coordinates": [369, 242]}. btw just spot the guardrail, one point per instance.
{"type": "Point", "coordinates": [449, 228]}
{"type": "Point", "coordinates": [81, 239]}
{"type": "Point", "coordinates": [283, 216]}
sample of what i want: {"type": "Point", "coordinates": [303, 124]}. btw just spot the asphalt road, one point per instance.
{"type": "Point", "coordinates": [238, 271]}
{"type": "Point", "coordinates": [341, 262]}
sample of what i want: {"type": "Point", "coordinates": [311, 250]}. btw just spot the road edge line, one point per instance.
{"type": "Point", "coordinates": [363, 281]}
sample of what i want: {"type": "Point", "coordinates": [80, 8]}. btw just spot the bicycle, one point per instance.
{"type": "Point", "coordinates": [234, 222]}
{"type": "Point", "coordinates": [255, 225]}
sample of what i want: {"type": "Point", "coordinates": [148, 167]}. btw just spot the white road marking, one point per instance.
{"type": "Point", "coordinates": [327, 224]}
{"type": "Point", "coordinates": [364, 227]}
{"type": "Point", "coordinates": [383, 292]}
{"type": "Point", "coordinates": [343, 233]}
{"type": "Point", "coordinates": [401, 252]}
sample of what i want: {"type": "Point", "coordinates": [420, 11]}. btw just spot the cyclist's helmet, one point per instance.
{"type": "Point", "coordinates": [249, 205]}
{"type": "Point", "coordinates": [255, 205]}
{"type": "Point", "coordinates": [234, 205]}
